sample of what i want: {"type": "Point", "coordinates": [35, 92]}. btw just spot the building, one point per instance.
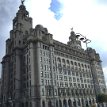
{"type": "Point", "coordinates": [38, 71]}
{"type": "Point", "coordinates": [0, 92]}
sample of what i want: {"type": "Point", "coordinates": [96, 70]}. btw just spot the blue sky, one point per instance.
{"type": "Point", "coordinates": [88, 17]}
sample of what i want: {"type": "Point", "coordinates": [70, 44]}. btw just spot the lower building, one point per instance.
{"type": "Point", "coordinates": [38, 71]}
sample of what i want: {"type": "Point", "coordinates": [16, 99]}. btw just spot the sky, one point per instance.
{"type": "Point", "coordinates": [87, 17]}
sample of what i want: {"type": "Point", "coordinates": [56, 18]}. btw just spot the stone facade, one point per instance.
{"type": "Point", "coordinates": [38, 71]}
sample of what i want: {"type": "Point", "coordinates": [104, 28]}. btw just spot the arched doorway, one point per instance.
{"type": "Point", "coordinates": [90, 101]}
{"type": "Point", "coordinates": [49, 104]}
{"type": "Point", "coordinates": [60, 103]}
{"type": "Point", "coordinates": [93, 100]}
{"type": "Point", "coordinates": [43, 103]}
{"type": "Point", "coordinates": [64, 103]}
{"type": "Point", "coordinates": [86, 103]}
{"type": "Point", "coordinates": [74, 103]}
{"type": "Point", "coordinates": [69, 103]}
{"type": "Point", "coordinates": [56, 103]}
{"type": "Point", "coordinates": [26, 104]}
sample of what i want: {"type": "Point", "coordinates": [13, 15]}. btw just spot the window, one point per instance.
{"type": "Point", "coordinates": [69, 72]}
{"type": "Point", "coordinates": [82, 85]}
{"type": "Point", "coordinates": [66, 84]}
{"type": "Point", "coordinates": [70, 79]}
{"type": "Point", "coordinates": [70, 84]}
{"type": "Point", "coordinates": [42, 92]}
{"type": "Point", "coordinates": [74, 79]}
{"type": "Point", "coordinates": [60, 78]}
{"type": "Point", "coordinates": [41, 59]}
{"type": "Point", "coordinates": [41, 73]}
{"type": "Point", "coordinates": [41, 66]}
{"type": "Point", "coordinates": [42, 82]}
{"type": "Point", "coordinates": [78, 80]}
{"type": "Point", "coordinates": [65, 78]}
{"type": "Point", "coordinates": [45, 67]}
{"type": "Point", "coordinates": [41, 52]}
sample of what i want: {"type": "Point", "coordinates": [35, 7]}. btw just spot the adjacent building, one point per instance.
{"type": "Point", "coordinates": [38, 71]}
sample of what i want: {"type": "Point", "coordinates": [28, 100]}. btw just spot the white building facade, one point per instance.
{"type": "Point", "coordinates": [38, 71]}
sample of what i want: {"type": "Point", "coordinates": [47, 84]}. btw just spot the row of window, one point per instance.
{"type": "Point", "coordinates": [66, 91]}
{"type": "Point", "coordinates": [65, 84]}
{"type": "Point", "coordinates": [72, 63]}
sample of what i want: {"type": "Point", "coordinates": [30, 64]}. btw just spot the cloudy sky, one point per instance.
{"type": "Point", "coordinates": [88, 17]}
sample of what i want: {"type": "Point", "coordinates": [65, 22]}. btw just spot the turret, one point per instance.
{"type": "Point", "coordinates": [73, 40]}
{"type": "Point", "coordinates": [22, 25]}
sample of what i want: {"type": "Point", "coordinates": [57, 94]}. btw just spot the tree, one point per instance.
{"type": "Point", "coordinates": [94, 105]}
{"type": "Point", "coordinates": [101, 98]}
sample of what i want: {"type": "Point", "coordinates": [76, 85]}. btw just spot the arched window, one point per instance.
{"type": "Point", "coordinates": [67, 61]}
{"type": "Point", "coordinates": [58, 59]}
{"type": "Point", "coordinates": [76, 63]}
{"type": "Point", "coordinates": [49, 104]}
{"type": "Point", "coordinates": [64, 103]}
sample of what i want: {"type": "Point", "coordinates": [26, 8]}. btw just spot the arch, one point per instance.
{"type": "Point", "coordinates": [64, 103]}
{"type": "Point", "coordinates": [43, 103]}
{"type": "Point", "coordinates": [60, 103]}
{"type": "Point", "coordinates": [69, 103]}
{"type": "Point", "coordinates": [49, 104]}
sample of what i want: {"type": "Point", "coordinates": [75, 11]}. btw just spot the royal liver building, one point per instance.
{"type": "Point", "coordinates": [38, 71]}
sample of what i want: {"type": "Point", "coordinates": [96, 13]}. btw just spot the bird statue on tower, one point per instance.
{"type": "Point", "coordinates": [22, 1]}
